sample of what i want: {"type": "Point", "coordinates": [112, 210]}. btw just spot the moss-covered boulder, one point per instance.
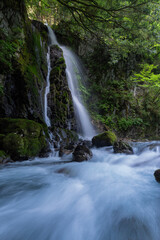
{"type": "Point", "coordinates": [107, 138]}
{"type": "Point", "coordinates": [22, 138]}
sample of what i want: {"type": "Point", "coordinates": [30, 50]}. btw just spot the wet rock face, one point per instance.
{"type": "Point", "coordinates": [12, 15]}
{"type": "Point", "coordinates": [122, 147]}
{"type": "Point", "coordinates": [107, 138]}
{"type": "Point", "coordinates": [59, 99]}
{"type": "Point", "coordinates": [82, 153]}
{"type": "Point", "coordinates": [41, 28]}
{"type": "Point", "coordinates": [23, 75]}
{"type": "Point", "coordinates": [157, 175]}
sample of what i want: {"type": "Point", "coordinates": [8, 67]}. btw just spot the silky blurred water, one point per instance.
{"type": "Point", "coordinates": [75, 76]}
{"type": "Point", "coordinates": [111, 197]}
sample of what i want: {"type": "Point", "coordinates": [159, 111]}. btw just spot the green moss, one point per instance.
{"type": "Point", "coordinates": [56, 71]}
{"type": "Point", "coordinates": [20, 126]}
{"type": "Point", "coordinates": [22, 138]}
{"type": "Point", "coordinates": [111, 136]}
{"type": "Point", "coordinates": [57, 47]}
{"type": "Point", "coordinates": [13, 143]}
{"type": "Point", "coordinates": [107, 138]}
{"type": "Point", "coordinates": [60, 61]}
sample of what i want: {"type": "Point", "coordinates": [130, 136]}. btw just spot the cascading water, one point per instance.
{"type": "Point", "coordinates": [73, 70]}
{"type": "Point", "coordinates": [111, 197]}
{"type": "Point", "coordinates": [47, 90]}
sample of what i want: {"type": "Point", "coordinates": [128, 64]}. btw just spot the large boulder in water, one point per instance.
{"type": "Point", "coordinates": [157, 175]}
{"type": "Point", "coordinates": [122, 147]}
{"type": "Point", "coordinates": [107, 138]}
{"type": "Point", "coordinates": [82, 153]}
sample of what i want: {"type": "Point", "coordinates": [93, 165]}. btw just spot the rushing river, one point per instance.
{"type": "Point", "coordinates": [110, 197]}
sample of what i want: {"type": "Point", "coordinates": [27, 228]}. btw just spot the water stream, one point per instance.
{"type": "Point", "coordinates": [111, 197]}
{"type": "Point", "coordinates": [74, 71]}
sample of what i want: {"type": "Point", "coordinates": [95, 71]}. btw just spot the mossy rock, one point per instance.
{"type": "Point", "coordinates": [107, 138]}
{"type": "Point", "coordinates": [23, 138]}
{"type": "Point", "coordinates": [61, 61]}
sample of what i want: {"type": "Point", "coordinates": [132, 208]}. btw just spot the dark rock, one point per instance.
{"type": "Point", "coordinates": [157, 175]}
{"type": "Point", "coordinates": [87, 143]}
{"type": "Point", "coordinates": [41, 27]}
{"type": "Point", "coordinates": [71, 146]}
{"type": "Point", "coordinates": [56, 145]}
{"type": "Point", "coordinates": [45, 151]}
{"type": "Point", "coordinates": [122, 147]}
{"type": "Point", "coordinates": [82, 153]}
{"type": "Point", "coordinates": [107, 138]}
{"type": "Point", "coordinates": [65, 138]}
{"type": "Point", "coordinates": [23, 77]}
{"type": "Point", "coordinates": [66, 149]}
{"type": "Point", "coordinates": [61, 111]}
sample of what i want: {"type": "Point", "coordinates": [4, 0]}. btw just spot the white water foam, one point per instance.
{"type": "Point", "coordinates": [111, 197]}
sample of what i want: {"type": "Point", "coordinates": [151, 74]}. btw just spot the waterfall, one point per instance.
{"type": "Point", "coordinates": [47, 90]}
{"type": "Point", "coordinates": [73, 72]}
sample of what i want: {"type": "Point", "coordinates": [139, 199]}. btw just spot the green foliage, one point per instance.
{"type": "Point", "coordinates": [148, 76]}
{"type": "Point", "coordinates": [126, 124]}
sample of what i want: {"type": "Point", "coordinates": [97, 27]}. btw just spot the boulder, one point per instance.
{"type": "Point", "coordinates": [22, 138]}
{"type": "Point", "coordinates": [82, 153]}
{"type": "Point", "coordinates": [122, 147]}
{"type": "Point", "coordinates": [107, 138]}
{"type": "Point", "coordinates": [157, 175]}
